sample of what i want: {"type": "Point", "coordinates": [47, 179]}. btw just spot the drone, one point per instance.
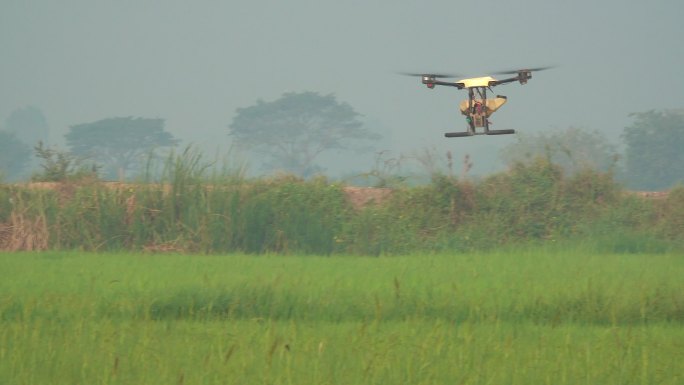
{"type": "Point", "coordinates": [478, 108]}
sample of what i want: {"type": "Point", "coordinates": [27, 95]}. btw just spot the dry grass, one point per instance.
{"type": "Point", "coordinates": [287, 214]}
{"type": "Point", "coordinates": [167, 247]}
{"type": "Point", "coordinates": [651, 194]}
{"type": "Point", "coordinates": [24, 234]}
{"type": "Point", "coordinates": [359, 197]}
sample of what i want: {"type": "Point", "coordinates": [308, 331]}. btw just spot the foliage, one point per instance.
{"type": "Point", "coordinates": [15, 155]}
{"type": "Point", "coordinates": [654, 157]}
{"type": "Point", "coordinates": [29, 125]}
{"type": "Point", "coordinates": [573, 149]}
{"type": "Point", "coordinates": [190, 210]}
{"type": "Point", "coordinates": [671, 214]}
{"type": "Point", "coordinates": [292, 131]}
{"type": "Point", "coordinates": [60, 166]}
{"type": "Point", "coordinates": [119, 145]}
{"type": "Point", "coordinates": [385, 172]}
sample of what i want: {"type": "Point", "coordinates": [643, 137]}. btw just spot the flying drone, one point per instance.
{"type": "Point", "coordinates": [478, 108]}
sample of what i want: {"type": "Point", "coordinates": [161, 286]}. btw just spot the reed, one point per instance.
{"type": "Point", "coordinates": [191, 205]}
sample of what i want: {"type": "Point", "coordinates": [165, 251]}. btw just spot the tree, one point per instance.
{"type": "Point", "coordinates": [29, 125]}
{"type": "Point", "coordinates": [654, 156]}
{"type": "Point", "coordinates": [573, 149]}
{"type": "Point", "coordinates": [119, 144]}
{"type": "Point", "coordinates": [61, 166]}
{"type": "Point", "coordinates": [292, 131]}
{"type": "Point", "coordinates": [14, 155]}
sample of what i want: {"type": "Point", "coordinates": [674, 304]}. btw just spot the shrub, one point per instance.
{"type": "Point", "coordinates": [190, 210]}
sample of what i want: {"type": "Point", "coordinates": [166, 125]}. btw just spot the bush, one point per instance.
{"type": "Point", "coordinates": [187, 210]}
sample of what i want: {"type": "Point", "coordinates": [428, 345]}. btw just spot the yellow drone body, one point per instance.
{"type": "Point", "coordinates": [485, 81]}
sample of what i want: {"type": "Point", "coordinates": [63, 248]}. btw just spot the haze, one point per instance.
{"type": "Point", "coordinates": [195, 63]}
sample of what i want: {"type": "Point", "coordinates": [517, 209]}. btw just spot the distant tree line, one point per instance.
{"type": "Point", "coordinates": [120, 145]}
{"type": "Point", "coordinates": [653, 158]}
{"type": "Point", "coordinates": [291, 132]}
{"type": "Point", "coordinates": [23, 128]}
{"type": "Point", "coordinates": [112, 148]}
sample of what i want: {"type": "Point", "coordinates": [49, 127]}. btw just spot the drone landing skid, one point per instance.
{"type": "Point", "coordinates": [500, 132]}
{"type": "Point", "coordinates": [473, 133]}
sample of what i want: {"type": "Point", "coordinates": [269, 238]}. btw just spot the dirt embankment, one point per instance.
{"type": "Point", "coordinates": [357, 196]}
{"type": "Point", "coordinates": [651, 194]}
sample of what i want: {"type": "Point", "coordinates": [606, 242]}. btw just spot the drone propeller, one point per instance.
{"type": "Point", "coordinates": [513, 72]}
{"type": "Point", "coordinates": [433, 76]}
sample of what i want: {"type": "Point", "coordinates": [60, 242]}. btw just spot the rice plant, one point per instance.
{"type": "Point", "coordinates": [531, 315]}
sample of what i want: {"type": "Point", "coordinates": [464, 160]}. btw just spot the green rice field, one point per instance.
{"type": "Point", "coordinates": [520, 316]}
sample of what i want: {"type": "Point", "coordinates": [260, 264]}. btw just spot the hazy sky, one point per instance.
{"type": "Point", "coordinates": [194, 63]}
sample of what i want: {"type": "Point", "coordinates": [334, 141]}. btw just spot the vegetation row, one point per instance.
{"type": "Point", "coordinates": [190, 210]}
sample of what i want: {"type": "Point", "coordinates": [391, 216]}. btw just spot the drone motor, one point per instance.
{"type": "Point", "coordinates": [524, 76]}
{"type": "Point", "coordinates": [429, 81]}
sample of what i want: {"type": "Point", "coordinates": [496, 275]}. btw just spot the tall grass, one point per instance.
{"type": "Point", "coordinates": [191, 207]}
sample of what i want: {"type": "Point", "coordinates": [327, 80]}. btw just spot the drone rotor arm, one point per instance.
{"type": "Point", "coordinates": [431, 79]}
{"type": "Point", "coordinates": [505, 81]}
{"type": "Point", "coordinates": [447, 84]}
